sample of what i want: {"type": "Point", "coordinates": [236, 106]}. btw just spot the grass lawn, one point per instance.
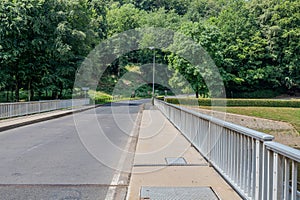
{"type": "Point", "coordinates": [290, 115]}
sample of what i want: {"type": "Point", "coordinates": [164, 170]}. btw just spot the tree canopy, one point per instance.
{"type": "Point", "coordinates": [254, 44]}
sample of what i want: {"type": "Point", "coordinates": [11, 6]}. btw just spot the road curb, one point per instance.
{"type": "Point", "coordinates": [135, 139]}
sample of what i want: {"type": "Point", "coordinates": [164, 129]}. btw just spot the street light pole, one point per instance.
{"type": "Point", "coordinates": [153, 74]}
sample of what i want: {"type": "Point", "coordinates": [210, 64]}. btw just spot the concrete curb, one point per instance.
{"type": "Point", "coordinates": [46, 118]}
{"type": "Point", "coordinates": [123, 177]}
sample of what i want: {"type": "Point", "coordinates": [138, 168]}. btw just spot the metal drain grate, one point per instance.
{"type": "Point", "coordinates": [176, 161]}
{"type": "Point", "coordinates": [177, 193]}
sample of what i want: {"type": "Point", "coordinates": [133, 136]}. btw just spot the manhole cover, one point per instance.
{"type": "Point", "coordinates": [178, 193]}
{"type": "Point", "coordinates": [176, 161]}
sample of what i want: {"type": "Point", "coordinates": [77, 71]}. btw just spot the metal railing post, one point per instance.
{"type": "Point", "coordinates": [8, 110]}
{"type": "Point", "coordinates": [254, 165]}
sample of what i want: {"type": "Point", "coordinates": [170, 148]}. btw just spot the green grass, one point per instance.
{"type": "Point", "coordinates": [290, 115]}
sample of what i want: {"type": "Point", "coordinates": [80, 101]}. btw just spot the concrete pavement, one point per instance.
{"type": "Point", "coordinates": [159, 140]}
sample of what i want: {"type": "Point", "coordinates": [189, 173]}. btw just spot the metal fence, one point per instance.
{"type": "Point", "coordinates": [8, 110]}
{"type": "Point", "coordinates": [250, 161]}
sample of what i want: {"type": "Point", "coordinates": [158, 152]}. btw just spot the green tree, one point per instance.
{"type": "Point", "coordinates": [122, 18]}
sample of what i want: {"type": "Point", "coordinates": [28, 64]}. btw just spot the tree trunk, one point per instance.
{"type": "Point", "coordinates": [197, 92]}
{"type": "Point", "coordinates": [55, 94]}
{"type": "Point", "coordinates": [60, 93]}
{"type": "Point", "coordinates": [29, 91]}
{"type": "Point", "coordinates": [17, 83]}
{"type": "Point", "coordinates": [40, 94]}
{"type": "Point", "coordinates": [31, 94]}
{"type": "Point", "coordinates": [7, 95]}
{"type": "Point", "coordinates": [12, 98]}
{"type": "Point", "coordinates": [17, 91]}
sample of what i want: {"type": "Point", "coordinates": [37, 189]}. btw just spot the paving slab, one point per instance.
{"type": "Point", "coordinates": [158, 140]}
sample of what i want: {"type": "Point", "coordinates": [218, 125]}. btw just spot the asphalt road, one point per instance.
{"type": "Point", "coordinates": [72, 157]}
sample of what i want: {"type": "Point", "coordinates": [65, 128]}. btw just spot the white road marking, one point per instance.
{"type": "Point", "coordinates": [116, 178]}
{"type": "Point", "coordinates": [34, 147]}
{"type": "Point", "coordinates": [39, 145]}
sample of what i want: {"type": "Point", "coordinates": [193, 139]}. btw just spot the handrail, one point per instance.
{"type": "Point", "coordinates": [247, 131]}
{"type": "Point", "coordinates": [9, 110]}
{"type": "Point", "coordinates": [250, 161]}
{"type": "Point", "coordinates": [284, 150]}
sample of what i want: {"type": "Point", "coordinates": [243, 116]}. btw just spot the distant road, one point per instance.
{"type": "Point", "coordinates": [48, 161]}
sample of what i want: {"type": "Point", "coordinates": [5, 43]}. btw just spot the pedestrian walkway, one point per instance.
{"type": "Point", "coordinates": [10, 123]}
{"type": "Point", "coordinates": [159, 144]}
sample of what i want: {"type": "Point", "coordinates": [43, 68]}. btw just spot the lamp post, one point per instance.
{"type": "Point", "coordinates": [153, 74]}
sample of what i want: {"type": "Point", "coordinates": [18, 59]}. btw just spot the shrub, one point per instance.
{"type": "Point", "coordinates": [235, 102]}
{"type": "Point", "coordinates": [99, 97]}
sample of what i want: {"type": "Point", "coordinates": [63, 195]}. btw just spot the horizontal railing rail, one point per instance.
{"type": "Point", "coordinates": [250, 161]}
{"type": "Point", "coordinates": [9, 110]}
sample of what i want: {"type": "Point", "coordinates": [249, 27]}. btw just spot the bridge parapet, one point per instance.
{"type": "Point", "coordinates": [249, 160]}
{"type": "Point", "coordinates": [8, 110]}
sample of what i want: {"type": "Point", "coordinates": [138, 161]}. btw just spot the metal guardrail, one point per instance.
{"type": "Point", "coordinates": [9, 110]}
{"type": "Point", "coordinates": [250, 161]}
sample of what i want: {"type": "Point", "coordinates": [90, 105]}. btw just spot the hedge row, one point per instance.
{"type": "Point", "coordinates": [103, 100]}
{"type": "Point", "coordinates": [110, 99]}
{"type": "Point", "coordinates": [235, 102]}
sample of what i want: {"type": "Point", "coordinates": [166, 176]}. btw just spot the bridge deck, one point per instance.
{"type": "Point", "coordinates": [159, 140]}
